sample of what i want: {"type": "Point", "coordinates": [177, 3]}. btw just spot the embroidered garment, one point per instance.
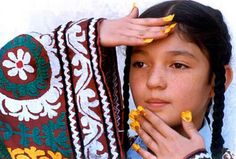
{"type": "Point", "coordinates": [60, 96]}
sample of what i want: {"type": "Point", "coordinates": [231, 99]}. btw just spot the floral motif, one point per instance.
{"type": "Point", "coordinates": [51, 134]}
{"type": "Point", "coordinates": [34, 153]}
{"type": "Point", "coordinates": [19, 64]}
{"type": "Point", "coordinates": [38, 96]}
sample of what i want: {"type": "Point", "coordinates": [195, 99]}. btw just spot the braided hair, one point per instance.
{"type": "Point", "coordinates": [205, 27]}
{"type": "Point", "coordinates": [126, 96]}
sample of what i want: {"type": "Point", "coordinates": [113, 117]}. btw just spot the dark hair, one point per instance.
{"type": "Point", "coordinates": [205, 27]}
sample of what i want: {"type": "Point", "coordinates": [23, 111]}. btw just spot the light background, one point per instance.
{"type": "Point", "coordinates": [17, 17]}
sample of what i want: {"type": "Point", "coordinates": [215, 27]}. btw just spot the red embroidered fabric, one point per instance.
{"type": "Point", "coordinates": [60, 95]}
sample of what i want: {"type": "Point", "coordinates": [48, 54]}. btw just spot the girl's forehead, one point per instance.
{"type": "Point", "coordinates": [172, 46]}
{"type": "Point", "coordinates": [174, 42]}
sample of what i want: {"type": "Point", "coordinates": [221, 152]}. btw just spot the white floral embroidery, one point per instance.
{"type": "Point", "coordinates": [19, 64]}
{"type": "Point", "coordinates": [90, 120]}
{"type": "Point", "coordinates": [45, 105]}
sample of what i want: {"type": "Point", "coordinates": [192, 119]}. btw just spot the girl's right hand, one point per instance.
{"type": "Point", "coordinates": [164, 141]}
{"type": "Point", "coordinates": [133, 31]}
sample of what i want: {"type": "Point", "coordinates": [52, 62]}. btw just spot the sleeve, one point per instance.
{"type": "Point", "coordinates": [203, 154]}
{"type": "Point", "coordinates": [3, 150]}
{"type": "Point", "coordinates": [60, 95]}
{"type": "Point", "coordinates": [199, 154]}
{"type": "Point", "coordinates": [228, 155]}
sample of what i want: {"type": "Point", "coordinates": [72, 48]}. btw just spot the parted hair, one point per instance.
{"type": "Point", "coordinates": [205, 27]}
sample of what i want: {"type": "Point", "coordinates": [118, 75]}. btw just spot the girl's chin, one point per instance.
{"type": "Point", "coordinates": [172, 122]}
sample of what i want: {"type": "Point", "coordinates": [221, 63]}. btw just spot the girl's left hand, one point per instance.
{"type": "Point", "coordinates": [165, 142]}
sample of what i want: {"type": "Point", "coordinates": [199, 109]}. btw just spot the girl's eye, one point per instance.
{"type": "Point", "coordinates": [179, 66]}
{"type": "Point", "coordinates": [139, 64]}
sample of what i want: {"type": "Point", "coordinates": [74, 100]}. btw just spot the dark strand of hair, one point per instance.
{"type": "Point", "coordinates": [218, 114]}
{"type": "Point", "coordinates": [126, 98]}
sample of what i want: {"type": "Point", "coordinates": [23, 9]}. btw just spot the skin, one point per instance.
{"type": "Point", "coordinates": [167, 77]}
{"type": "Point", "coordinates": [170, 76]}
{"type": "Point", "coordinates": [181, 81]}
{"type": "Point", "coordinates": [131, 31]}
{"type": "Point", "coordinates": [126, 31]}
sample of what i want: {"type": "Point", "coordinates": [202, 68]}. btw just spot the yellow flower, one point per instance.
{"type": "Point", "coordinates": [43, 157]}
{"type": "Point", "coordinates": [15, 152]}
{"type": "Point", "coordinates": [33, 153]}
{"type": "Point", "coordinates": [56, 155]}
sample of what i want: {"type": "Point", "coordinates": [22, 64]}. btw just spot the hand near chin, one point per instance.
{"type": "Point", "coordinates": [163, 141]}
{"type": "Point", "coordinates": [133, 31]}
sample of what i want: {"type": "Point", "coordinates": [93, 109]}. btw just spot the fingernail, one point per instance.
{"type": "Point", "coordinates": [134, 5]}
{"type": "Point", "coordinates": [135, 125]}
{"type": "Point", "coordinates": [172, 25]}
{"type": "Point", "coordinates": [141, 110]}
{"type": "Point", "coordinates": [169, 28]}
{"type": "Point", "coordinates": [147, 41]}
{"type": "Point", "coordinates": [168, 18]}
{"type": "Point", "coordinates": [186, 116]}
{"type": "Point", "coordinates": [133, 115]}
{"type": "Point", "coordinates": [136, 147]}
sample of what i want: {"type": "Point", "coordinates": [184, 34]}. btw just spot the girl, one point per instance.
{"type": "Point", "coordinates": [60, 93]}
{"type": "Point", "coordinates": [180, 76]}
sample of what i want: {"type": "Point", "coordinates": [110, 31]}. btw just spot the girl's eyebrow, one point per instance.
{"type": "Point", "coordinates": [138, 51]}
{"type": "Point", "coordinates": [171, 52]}
{"type": "Point", "coordinates": [182, 53]}
{"type": "Point", "coordinates": [174, 52]}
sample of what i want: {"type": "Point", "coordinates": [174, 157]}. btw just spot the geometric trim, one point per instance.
{"type": "Point", "coordinates": [101, 90]}
{"type": "Point", "coordinates": [68, 85]}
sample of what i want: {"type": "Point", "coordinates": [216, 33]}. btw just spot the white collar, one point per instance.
{"type": "Point", "coordinates": [205, 132]}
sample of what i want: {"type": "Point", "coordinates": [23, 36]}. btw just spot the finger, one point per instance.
{"type": "Point", "coordinates": [164, 129]}
{"type": "Point", "coordinates": [134, 13]}
{"type": "Point", "coordinates": [193, 133]}
{"type": "Point", "coordinates": [131, 41]}
{"type": "Point", "coordinates": [144, 153]}
{"type": "Point", "coordinates": [188, 125]}
{"type": "Point", "coordinates": [151, 140]}
{"type": "Point", "coordinates": [144, 28]}
{"type": "Point", "coordinates": [145, 31]}
{"type": "Point", "coordinates": [151, 34]}
{"type": "Point", "coordinates": [151, 21]}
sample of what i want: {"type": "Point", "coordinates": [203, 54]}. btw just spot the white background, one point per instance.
{"type": "Point", "coordinates": [22, 16]}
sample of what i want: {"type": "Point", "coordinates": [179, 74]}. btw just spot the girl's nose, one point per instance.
{"type": "Point", "coordinates": [156, 79]}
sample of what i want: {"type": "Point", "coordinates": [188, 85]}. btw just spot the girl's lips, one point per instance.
{"type": "Point", "coordinates": [156, 103]}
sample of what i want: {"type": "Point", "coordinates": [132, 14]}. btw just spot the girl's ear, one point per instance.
{"type": "Point", "coordinates": [228, 79]}
{"type": "Point", "coordinates": [228, 75]}
{"type": "Point", "coordinates": [212, 93]}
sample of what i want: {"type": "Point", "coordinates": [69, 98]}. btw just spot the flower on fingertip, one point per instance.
{"type": "Point", "coordinates": [186, 116]}
{"type": "Point", "coordinates": [135, 125]}
{"type": "Point", "coordinates": [136, 147]}
{"type": "Point", "coordinates": [173, 25]}
{"type": "Point", "coordinates": [147, 41]}
{"type": "Point", "coordinates": [141, 110]}
{"type": "Point", "coordinates": [169, 28]}
{"type": "Point", "coordinates": [168, 18]}
{"type": "Point", "coordinates": [133, 115]}
{"type": "Point", "coordinates": [134, 5]}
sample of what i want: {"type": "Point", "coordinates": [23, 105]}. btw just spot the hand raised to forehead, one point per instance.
{"type": "Point", "coordinates": [134, 31]}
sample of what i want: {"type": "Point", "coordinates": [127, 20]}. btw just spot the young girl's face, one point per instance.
{"type": "Point", "coordinates": [170, 76]}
